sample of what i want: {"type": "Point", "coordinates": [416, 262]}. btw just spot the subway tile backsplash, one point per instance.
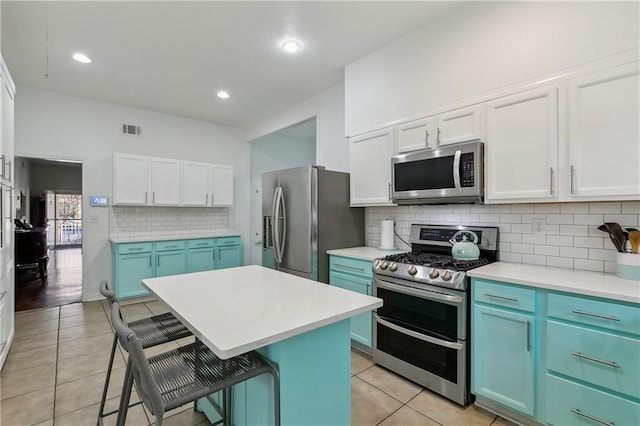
{"type": "Point", "coordinates": [568, 237]}
{"type": "Point", "coordinates": [166, 221]}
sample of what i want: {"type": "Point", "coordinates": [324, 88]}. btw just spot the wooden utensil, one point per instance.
{"type": "Point", "coordinates": [634, 239]}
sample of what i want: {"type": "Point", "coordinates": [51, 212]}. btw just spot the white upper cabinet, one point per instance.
{"type": "Point", "coordinates": [165, 181]}
{"type": "Point", "coordinates": [370, 160]}
{"type": "Point", "coordinates": [130, 179]}
{"type": "Point", "coordinates": [414, 135]}
{"type": "Point", "coordinates": [521, 150]}
{"type": "Point", "coordinates": [460, 125]}
{"type": "Point", "coordinates": [144, 181]}
{"type": "Point", "coordinates": [195, 184]}
{"type": "Point", "coordinates": [221, 185]}
{"type": "Point", "coordinates": [604, 140]}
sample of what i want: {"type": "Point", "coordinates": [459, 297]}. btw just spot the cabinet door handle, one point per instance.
{"type": "Point", "coordinates": [426, 137]}
{"type": "Point", "coordinates": [389, 184]}
{"type": "Point", "coordinates": [595, 419]}
{"type": "Point", "coordinates": [4, 293]}
{"type": "Point", "coordinates": [172, 246]}
{"type": "Point", "coordinates": [438, 137]}
{"type": "Point", "coordinates": [149, 261]}
{"type": "Point", "coordinates": [134, 249]}
{"type": "Point", "coordinates": [528, 336]}
{"type": "Point", "coordinates": [153, 197]}
{"type": "Point", "coordinates": [9, 177]}
{"type": "Point", "coordinates": [201, 244]}
{"type": "Point", "coordinates": [158, 259]}
{"type": "Point", "coordinates": [579, 312]}
{"type": "Point", "coordinates": [600, 361]}
{"type": "Point", "coordinates": [206, 199]}
{"type": "Point", "coordinates": [550, 180]}
{"type": "Point", "coordinates": [2, 157]}
{"type": "Point", "coordinates": [353, 268]}
{"type": "Point", "coordinates": [145, 197]}
{"type": "Point", "coordinates": [573, 174]}
{"type": "Point", "coordinates": [212, 199]}
{"type": "Point", "coordinates": [495, 296]}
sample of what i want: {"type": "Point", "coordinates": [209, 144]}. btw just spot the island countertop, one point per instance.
{"type": "Point", "coordinates": [237, 310]}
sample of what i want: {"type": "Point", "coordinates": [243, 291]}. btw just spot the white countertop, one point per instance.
{"type": "Point", "coordinates": [569, 280]}
{"type": "Point", "coordinates": [363, 253]}
{"type": "Point", "coordinates": [237, 310]}
{"type": "Point", "coordinates": [143, 239]}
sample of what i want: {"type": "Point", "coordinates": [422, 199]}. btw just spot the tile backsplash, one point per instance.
{"type": "Point", "coordinates": [166, 221]}
{"type": "Point", "coordinates": [567, 238]}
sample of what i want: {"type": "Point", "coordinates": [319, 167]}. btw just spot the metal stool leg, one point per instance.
{"type": "Point", "coordinates": [276, 398]}
{"type": "Point", "coordinates": [106, 382]}
{"type": "Point", "coordinates": [126, 395]}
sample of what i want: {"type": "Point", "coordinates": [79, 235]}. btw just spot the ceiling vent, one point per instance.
{"type": "Point", "coordinates": [130, 129]}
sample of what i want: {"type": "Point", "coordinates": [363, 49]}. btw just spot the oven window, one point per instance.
{"type": "Point", "coordinates": [436, 359]}
{"type": "Point", "coordinates": [431, 317]}
{"type": "Point", "coordinates": [433, 173]}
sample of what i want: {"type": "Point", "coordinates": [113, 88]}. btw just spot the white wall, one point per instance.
{"type": "Point", "coordinates": [332, 150]}
{"type": "Point", "coordinates": [481, 46]}
{"type": "Point", "coordinates": [51, 125]}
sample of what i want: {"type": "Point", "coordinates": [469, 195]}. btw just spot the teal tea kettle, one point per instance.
{"type": "Point", "coordinates": [465, 249]}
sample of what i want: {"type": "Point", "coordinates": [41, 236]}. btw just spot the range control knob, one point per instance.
{"type": "Point", "coordinates": [434, 273]}
{"type": "Point", "coordinates": [393, 267]}
{"type": "Point", "coordinates": [376, 263]}
{"type": "Point", "coordinates": [412, 270]}
{"type": "Point", "coordinates": [384, 264]}
{"type": "Point", "coordinates": [446, 276]}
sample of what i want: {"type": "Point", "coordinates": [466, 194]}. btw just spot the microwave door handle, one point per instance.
{"type": "Point", "coordinates": [456, 169]}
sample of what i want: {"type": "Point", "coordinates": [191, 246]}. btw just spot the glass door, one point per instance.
{"type": "Point", "coordinates": [68, 219]}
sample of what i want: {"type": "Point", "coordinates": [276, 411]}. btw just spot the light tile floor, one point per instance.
{"type": "Point", "coordinates": [56, 368]}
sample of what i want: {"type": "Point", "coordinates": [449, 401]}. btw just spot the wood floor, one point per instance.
{"type": "Point", "coordinates": [63, 286]}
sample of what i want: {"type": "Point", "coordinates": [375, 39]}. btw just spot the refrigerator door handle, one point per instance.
{"type": "Point", "coordinates": [275, 224]}
{"type": "Point", "coordinates": [283, 231]}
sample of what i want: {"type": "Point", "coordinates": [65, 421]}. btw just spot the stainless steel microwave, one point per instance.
{"type": "Point", "coordinates": [451, 174]}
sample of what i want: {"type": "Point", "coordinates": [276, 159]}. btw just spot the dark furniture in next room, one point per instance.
{"type": "Point", "coordinates": [31, 250]}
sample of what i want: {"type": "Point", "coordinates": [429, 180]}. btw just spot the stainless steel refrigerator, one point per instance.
{"type": "Point", "coordinates": [305, 212]}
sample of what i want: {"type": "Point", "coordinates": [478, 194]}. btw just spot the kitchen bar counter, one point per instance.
{"type": "Point", "coordinates": [363, 253]}
{"type": "Point", "coordinates": [141, 238]}
{"type": "Point", "coordinates": [588, 283]}
{"type": "Point", "coordinates": [302, 326]}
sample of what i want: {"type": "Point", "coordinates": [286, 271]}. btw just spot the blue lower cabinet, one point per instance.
{"type": "Point", "coordinates": [355, 275]}
{"type": "Point", "coordinates": [172, 262]}
{"type": "Point", "coordinates": [130, 270]}
{"type": "Point", "coordinates": [503, 360]}
{"type": "Point", "coordinates": [228, 257]}
{"type": "Point", "coordinates": [201, 259]}
{"type": "Point", "coordinates": [133, 262]}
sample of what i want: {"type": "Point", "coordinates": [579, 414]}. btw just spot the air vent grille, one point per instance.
{"type": "Point", "coordinates": [130, 129]}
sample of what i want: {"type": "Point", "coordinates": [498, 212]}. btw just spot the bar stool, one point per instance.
{"type": "Point", "coordinates": [152, 331]}
{"type": "Point", "coordinates": [180, 376]}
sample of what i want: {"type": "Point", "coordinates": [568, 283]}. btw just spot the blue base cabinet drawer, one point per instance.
{"type": "Point", "coordinates": [595, 357]}
{"type": "Point", "coordinates": [351, 266]}
{"type": "Point", "coordinates": [508, 296]}
{"type": "Point", "coordinates": [598, 313]}
{"type": "Point", "coordinates": [570, 403]}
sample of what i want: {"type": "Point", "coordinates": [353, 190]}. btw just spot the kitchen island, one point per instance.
{"type": "Point", "coordinates": [302, 326]}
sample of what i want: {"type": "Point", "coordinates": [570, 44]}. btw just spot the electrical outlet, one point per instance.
{"type": "Point", "coordinates": [538, 226]}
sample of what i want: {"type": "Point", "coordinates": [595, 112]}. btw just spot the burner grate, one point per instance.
{"type": "Point", "coordinates": [436, 261]}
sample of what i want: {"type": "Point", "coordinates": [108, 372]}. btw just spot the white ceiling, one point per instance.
{"type": "Point", "coordinates": [173, 57]}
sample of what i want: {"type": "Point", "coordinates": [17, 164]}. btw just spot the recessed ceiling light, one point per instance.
{"type": "Point", "coordinates": [223, 94]}
{"type": "Point", "coordinates": [291, 46]}
{"type": "Point", "coordinates": [82, 58]}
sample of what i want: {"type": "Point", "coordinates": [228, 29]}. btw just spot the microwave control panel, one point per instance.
{"type": "Point", "coordinates": [467, 171]}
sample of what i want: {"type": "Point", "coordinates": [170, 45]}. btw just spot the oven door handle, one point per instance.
{"type": "Point", "coordinates": [429, 339]}
{"type": "Point", "coordinates": [423, 294]}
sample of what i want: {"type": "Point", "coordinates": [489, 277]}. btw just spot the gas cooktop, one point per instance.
{"type": "Point", "coordinates": [439, 261]}
{"type": "Point", "coordinates": [430, 260]}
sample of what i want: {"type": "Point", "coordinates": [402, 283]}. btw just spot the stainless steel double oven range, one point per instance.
{"type": "Point", "coordinates": [422, 330]}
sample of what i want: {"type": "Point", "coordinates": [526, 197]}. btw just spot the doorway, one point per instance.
{"type": "Point", "coordinates": [286, 148]}
{"type": "Point", "coordinates": [52, 206]}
